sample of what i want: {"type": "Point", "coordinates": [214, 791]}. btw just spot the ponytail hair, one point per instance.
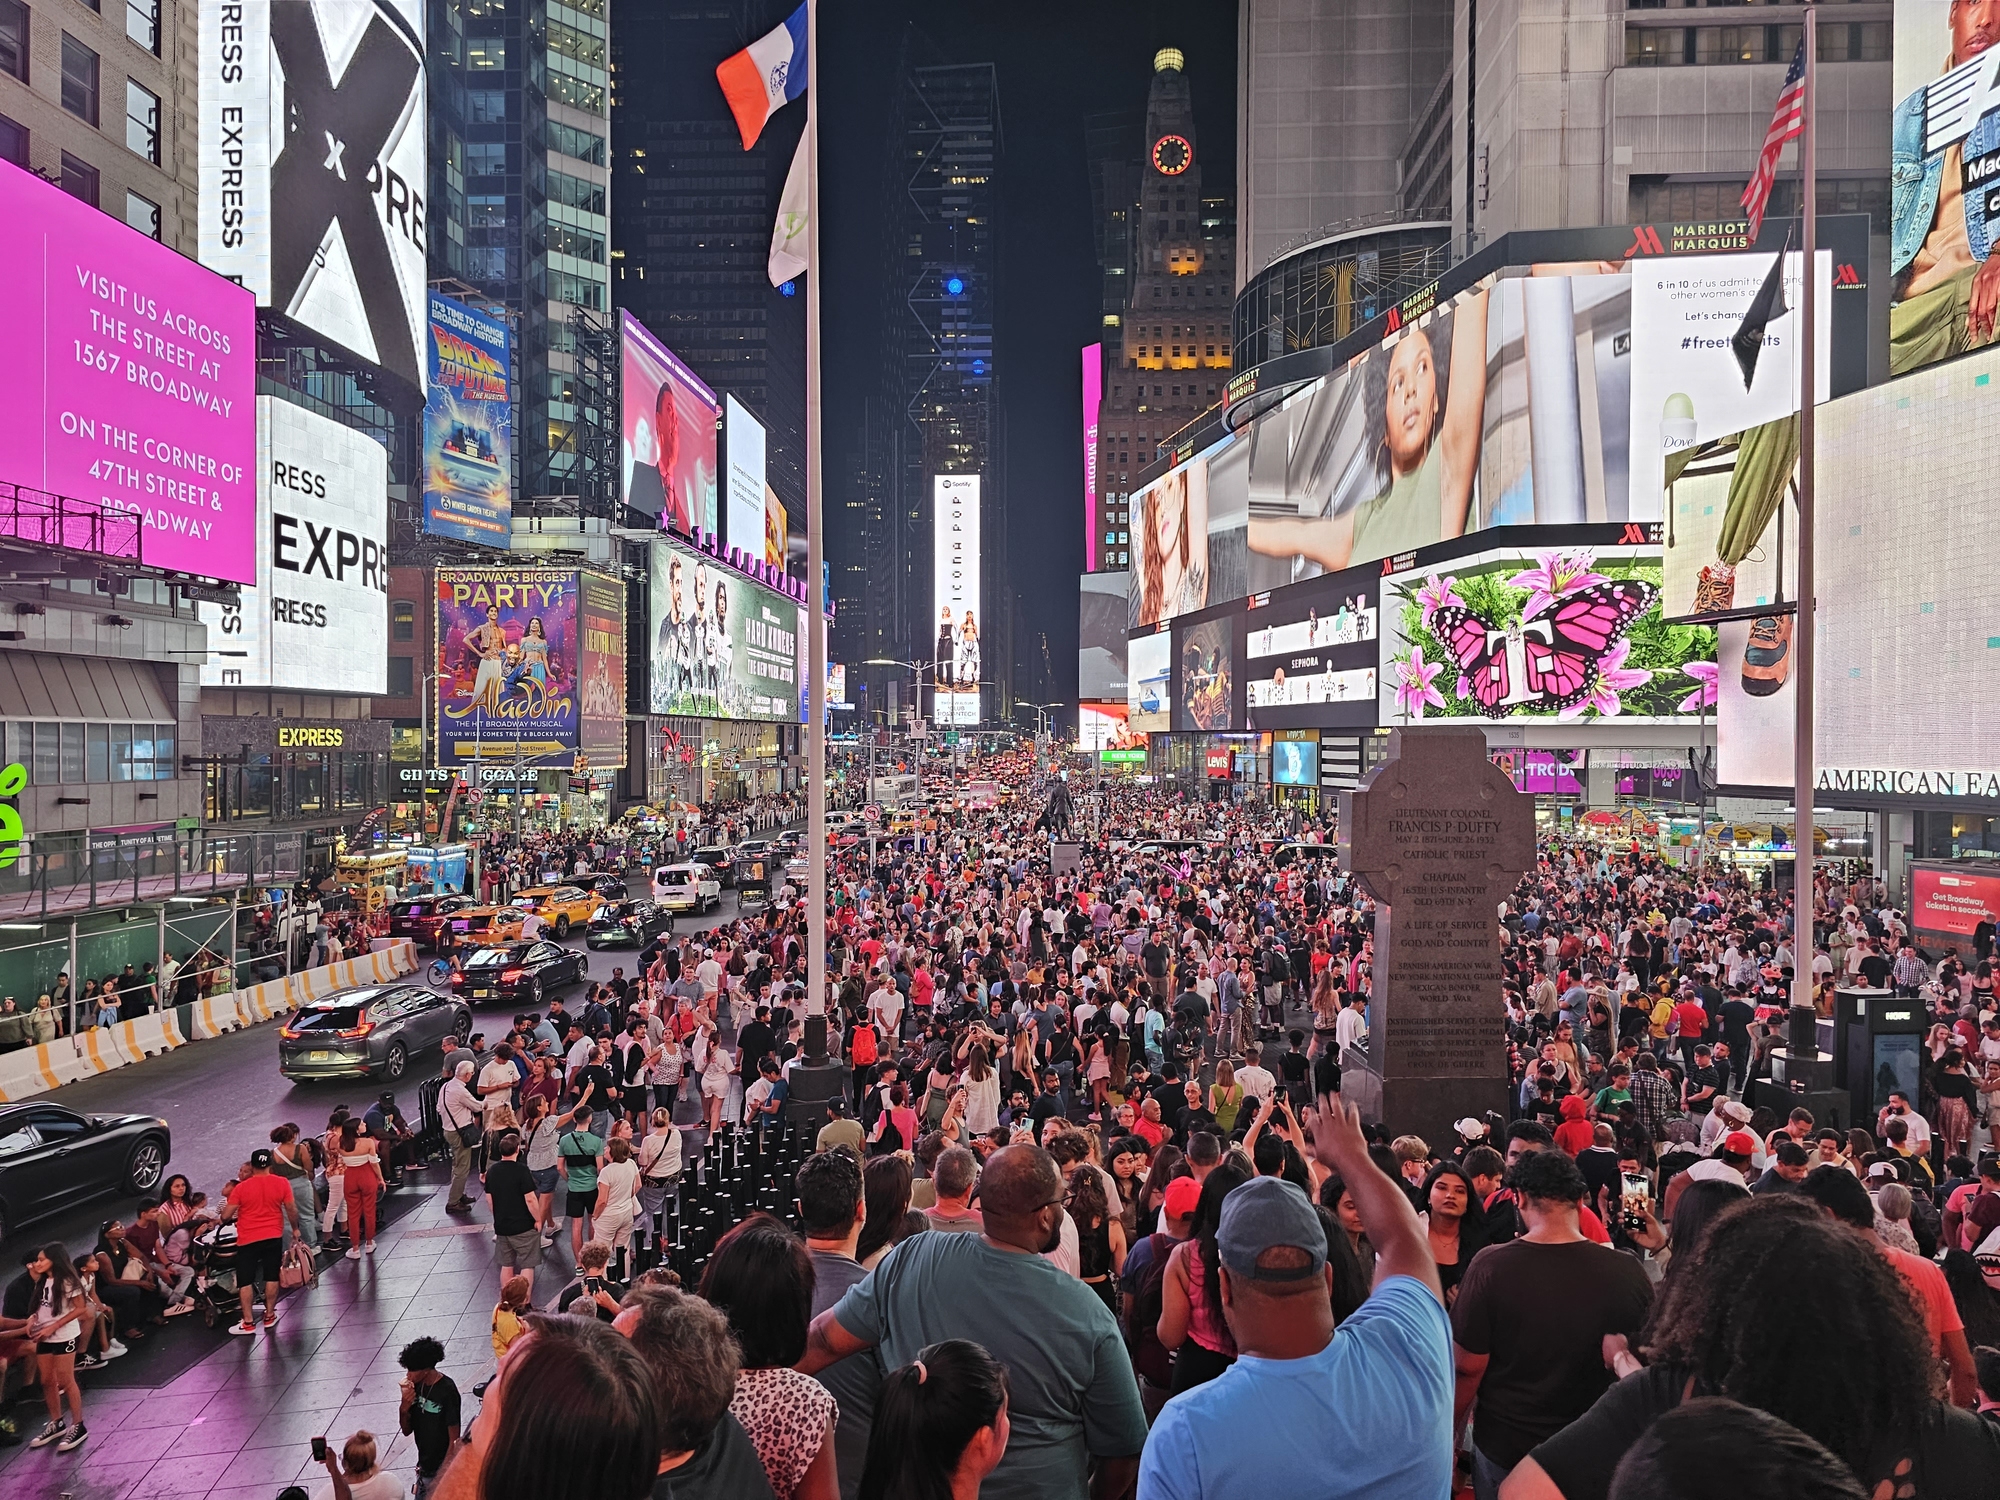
{"type": "Point", "coordinates": [925, 1416]}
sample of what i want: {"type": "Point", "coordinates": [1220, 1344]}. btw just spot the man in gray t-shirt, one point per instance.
{"type": "Point", "coordinates": [831, 1207]}
{"type": "Point", "coordinates": [1072, 1395]}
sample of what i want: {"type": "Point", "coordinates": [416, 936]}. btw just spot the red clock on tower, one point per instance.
{"type": "Point", "coordinates": [1172, 155]}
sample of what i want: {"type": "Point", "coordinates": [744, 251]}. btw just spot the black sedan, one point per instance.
{"type": "Point", "coordinates": [369, 1033]}
{"type": "Point", "coordinates": [610, 887]}
{"type": "Point", "coordinates": [518, 972]}
{"type": "Point", "coordinates": [52, 1158]}
{"type": "Point", "coordinates": [719, 858]}
{"type": "Point", "coordinates": [627, 924]}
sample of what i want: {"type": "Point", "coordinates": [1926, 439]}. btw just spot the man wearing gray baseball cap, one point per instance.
{"type": "Point", "coordinates": [1308, 1410]}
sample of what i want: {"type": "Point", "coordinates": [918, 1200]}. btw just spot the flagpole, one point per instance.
{"type": "Point", "coordinates": [816, 975]}
{"type": "Point", "coordinates": [1802, 634]}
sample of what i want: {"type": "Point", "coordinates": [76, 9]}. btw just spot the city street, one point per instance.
{"type": "Point", "coordinates": [193, 1411]}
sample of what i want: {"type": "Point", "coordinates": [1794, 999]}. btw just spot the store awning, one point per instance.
{"type": "Point", "coordinates": [44, 685]}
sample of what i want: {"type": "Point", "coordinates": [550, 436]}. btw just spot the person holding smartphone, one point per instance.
{"type": "Point", "coordinates": [354, 1473]}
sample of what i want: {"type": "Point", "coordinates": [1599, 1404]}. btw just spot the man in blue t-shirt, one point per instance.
{"type": "Point", "coordinates": [1304, 1409]}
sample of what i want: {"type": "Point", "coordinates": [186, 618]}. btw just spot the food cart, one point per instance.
{"type": "Point", "coordinates": [367, 876]}
{"type": "Point", "coordinates": [445, 866]}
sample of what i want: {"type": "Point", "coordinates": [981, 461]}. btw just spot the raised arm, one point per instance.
{"type": "Point", "coordinates": [1401, 1247]}
{"type": "Point", "coordinates": [1464, 414]}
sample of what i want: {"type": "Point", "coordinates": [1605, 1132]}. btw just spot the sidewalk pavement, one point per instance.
{"type": "Point", "coordinates": [239, 1425]}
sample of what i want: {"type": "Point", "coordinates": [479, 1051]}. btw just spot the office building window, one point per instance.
{"type": "Point", "coordinates": [79, 80]}
{"type": "Point", "coordinates": [403, 620]}
{"type": "Point", "coordinates": [13, 142]}
{"type": "Point", "coordinates": [143, 214]}
{"type": "Point", "coordinates": [79, 179]}
{"type": "Point", "coordinates": [142, 121]}
{"type": "Point", "coordinates": [402, 676]}
{"type": "Point", "coordinates": [14, 39]}
{"type": "Point", "coordinates": [142, 23]}
{"type": "Point", "coordinates": [67, 754]}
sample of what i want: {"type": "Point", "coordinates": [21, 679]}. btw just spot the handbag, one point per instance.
{"type": "Point", "coordinates": [299, 1267]}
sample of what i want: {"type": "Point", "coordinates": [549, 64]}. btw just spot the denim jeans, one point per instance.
{"type": "Point", "coordinates": [1486, 1476]}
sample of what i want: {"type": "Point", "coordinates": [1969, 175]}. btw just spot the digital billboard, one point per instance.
{"type": "Point", "coordinates": [667, 447]}
{"type": "Point", "coordinates": [1105, 725]}
{"type": "Point", "coordinates": [1207, 676]}
{"type": "Point", "coordinates": [723, 647]}
{"type": "Point", "coordinates": [1571, 633]}
{"type": "Point", "coordinates": [1295, 757]}
{"type": "Point", "coordinates": [1731, 535]}
{"type": "Point", "coordinates": [312, 168]}
{"type": "Point", "coordinates": [601, 696]}
{"type": "Point", "coordinates": [1149, 693]}
{"type": "Point", "coordinates": [508, 664]}
{"type": "Point", "coordinates": [468, 426]}
{"type": "Point", "coordinates": [1093, 401]}
{"type": "Point", "coordinates": [128, 378]}
{"type": "Point", "coordinates": [1100, 637]}
{"type": "Point", "coordinates": [1309, 654]}
{"type": "Point", "coordinates": [955, 598]}
{"type": "Point", "coordinates": [776, 532]}
{"type": "Point", "coordinates": [743, 451]}
{"type": "Point", "coordinates": [1947, 904]}
{"type": "Point", "coordinates": [317, 618]}
{"type": "Point", "coordinates": [836, 685]}
{"type": "Point", "coordinates": [1944, 154]}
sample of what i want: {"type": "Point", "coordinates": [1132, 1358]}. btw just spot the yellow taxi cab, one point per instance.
{"type": "Point", "coordinates": [485, 925]}
{"type": "Point", "coordinates": [560, 906]}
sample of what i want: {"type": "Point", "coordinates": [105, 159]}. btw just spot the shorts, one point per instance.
{"type": "Point", "coordinates": [714, 1088]}
{"type": "Point", "coordinates": [546, 1179]}
{"type": "Point", "coordinates": [521, 1252]}
{"type": "Point", "coordinates": [257, 1262]}
{"type": "Point", "coordinates": [57, 1346]}
{"type": "Point", "coordinates": [580, 1204]}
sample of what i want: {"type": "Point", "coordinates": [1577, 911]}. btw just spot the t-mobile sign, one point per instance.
{"type": "Point", "coordinates": [128, 377]}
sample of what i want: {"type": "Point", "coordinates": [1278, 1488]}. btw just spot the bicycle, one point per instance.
{"type": "Point", "coordinates": [438, 974]}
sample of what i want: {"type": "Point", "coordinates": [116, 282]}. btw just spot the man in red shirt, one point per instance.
{"type": "Point", "coordinates": [260, 1205]}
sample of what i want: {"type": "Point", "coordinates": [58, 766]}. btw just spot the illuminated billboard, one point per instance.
{"type": "Point", "coordinates": [955, 598]}
{"type": "Point", "coordinates": [601, 674]}
{"type": "Point", "coordinates": [1295, 757]}
{"type": "Point", "coordinates": [1207, 677]}
{"type": "Point", "coordinates": [775, 528]}
{"type": "Point", "coordinates": [1149, 692]}
{"type": "Point", "coordinates": [1100, 640]}
{"type": "Point", "coordinates": [1309, 654]}
{"type": "Point", "coordinates": [1105, 725]}
{"type": "Point", "coordinates": [317, 618]}
{"type": "Point", "coordinates": [312, 167]}
{"type": "Point", "coordinates": [128, 379]}
{"type": "Point", "coordinates": [722, 646]}
{"type": "Point", "coordinates": [667, 447]}
{"type": "Point", "coordinates": [1569, 633]}
{"type": "Point", "coordinates": [743, 451]}
{"type": "Point", "coordinates": [509, 665]}
{"type": "Point", "coordinates": [1093, 401]}
{"type": "Point", "coordinates": [468, 427]}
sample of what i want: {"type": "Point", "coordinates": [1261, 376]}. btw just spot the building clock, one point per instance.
{"type": "Point", "coordinates": [1172, 155]}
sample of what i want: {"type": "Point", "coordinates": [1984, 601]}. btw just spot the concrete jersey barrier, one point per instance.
{"type": "Point", "coordinates": [49, 1065]}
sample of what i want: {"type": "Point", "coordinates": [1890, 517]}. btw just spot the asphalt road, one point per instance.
{"type": "Point", "coordinates": [222, 1097]}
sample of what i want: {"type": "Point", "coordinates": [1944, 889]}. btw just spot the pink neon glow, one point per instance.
{"type": "Point", "coordinates": [1093, 396]}
{"type": "Point", "coordinates": [120, 356]}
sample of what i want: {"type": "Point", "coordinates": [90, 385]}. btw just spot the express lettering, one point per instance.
{"type": "Point", "coordinates": [349, 551]}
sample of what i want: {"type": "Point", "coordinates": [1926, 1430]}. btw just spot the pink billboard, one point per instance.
{"type": "Point", "coordinates": [1093, 398]}
{"type": "Point", "coordinates": [128, 379]}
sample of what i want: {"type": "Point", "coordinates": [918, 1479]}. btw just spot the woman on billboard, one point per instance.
{"type": "Point", "coordinates": [1173, 545]}
{"type": "Point", "coordinates": [652, 487]}
{"type": "Point", "coordinates": [1430, 391]}
{"type": "Point", "coordinates": [965, 660]}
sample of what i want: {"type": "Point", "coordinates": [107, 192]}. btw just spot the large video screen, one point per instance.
{"type": "Point", "coordinates": [1947, 904]}
{"type": "Point", "coordinates": [1149, 692]}
{"type": "Point", "coordinates": [1309, 654]}
{"type": "Point", "coordinates": [312, 166]}
{"type": "Point", "coordinates": [723, 647]}
{"type": "Point", "coordinates": [468, 427]}
{"type": "Point", "coordinates": [1571, 633]}
{"type": "Point", "coordinates": [601, 699]}
{"type": "Point", "coordinates": [508, 664]}
{"type": "Point", "coordinates": [1900, 631]}
{"type": "Point", "coordinates": [317, 618]}
{"type": "Point", "coordinates": [1106, 725]}
{"type": "Point", "coordinates": [1944, 150]}
{"type": "Point", "coordinates": [1295, 757]}
{"type": "Point", "coordinates": [128, 378]}
{"type": "Point", "coordinates": [1100, 638]}
{"type": "Point", "coordinates": [743, 451]}
{"type": "Point", "coordinates": [1207, 688]}
{"type": "Point", "coordinates": [955, 598]}
{"type": "Point", "coordinates": [667, 450]}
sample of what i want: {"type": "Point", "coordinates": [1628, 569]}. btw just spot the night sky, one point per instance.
{"type": "Point", "coordinates": [1057, 60]}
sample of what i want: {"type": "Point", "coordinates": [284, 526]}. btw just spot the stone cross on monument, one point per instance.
{"type": "Point", "coordinates": [1438, 836]}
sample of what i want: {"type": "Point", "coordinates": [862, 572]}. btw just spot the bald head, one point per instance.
{"type": "Point", "coordinates": [1018, 1182]}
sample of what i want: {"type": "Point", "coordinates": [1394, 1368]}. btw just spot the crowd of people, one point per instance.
{"type": "Point", "coordinates": [1091, 1209]}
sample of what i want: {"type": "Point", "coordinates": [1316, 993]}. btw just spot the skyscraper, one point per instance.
{"type": "Point", "coordinates": [1167, 348]}
{"type": "Point", "coordinates": [939, 411]}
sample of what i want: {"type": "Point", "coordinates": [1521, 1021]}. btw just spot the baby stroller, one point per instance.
{"type": "Point", "coordinates": [211, 1251]}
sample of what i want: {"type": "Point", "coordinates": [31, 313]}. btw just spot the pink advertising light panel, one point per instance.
{"type": "Point", "coordinates": [1093, 397]}
{"type": "Point", "coordinates": [128, 378]}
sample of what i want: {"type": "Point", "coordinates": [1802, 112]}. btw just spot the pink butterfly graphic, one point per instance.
{"type": "Point", "coordinates": [1549, 662]}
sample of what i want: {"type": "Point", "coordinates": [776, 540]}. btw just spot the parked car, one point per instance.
{"type": "Point", "coordinates": [627, 924]}
{"type": "Point", "coordinates": [369, 1033]}
{"type": "Point", "coordinates": [473, 925]}
{"type": "Point", "coordinates": [421, 918]}
{"type": "Point", "coordinates": [690, 887]}
{"type": "Point", "coordinates": [719, 859]}
{"type": "Point", "coordinates": [560, 906]}
{"type": "Point", "coordinates": [519, 972]}
{"type": "Point", "coordinates": [52, 1158]}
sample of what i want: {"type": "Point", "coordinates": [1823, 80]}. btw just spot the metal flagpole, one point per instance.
{"type": "Point", "coordinates": [816, 975]}
{"type": "Point", "coordinates": [1802, 633]}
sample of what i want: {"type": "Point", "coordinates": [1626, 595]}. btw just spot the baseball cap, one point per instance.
{"type": "Point", "coordinates": [260, 1158]}
{"type": "Point", "coordinates": [1740, 1143]}
{"type": "Point", "coordinates": [1180, 1198]}
{"type": "Point", "coordinates": [1268, 1213]}
{"type": "Point", "coordinates": [1882, 1171]}
{"type": "Point", "coordinates": [1732, 1110]}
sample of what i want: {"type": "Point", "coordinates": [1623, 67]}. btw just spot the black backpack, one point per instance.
{"type": "Point", "coordinates": [1150, 1357]}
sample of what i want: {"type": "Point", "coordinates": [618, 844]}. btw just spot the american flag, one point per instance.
{"type": "Point", "coordinates": [1788, 121]}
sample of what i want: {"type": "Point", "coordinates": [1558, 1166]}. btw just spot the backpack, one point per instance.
{"type": "Point", "coordinates": [1150, 1357]}
{"type": "Point", "coordinates": [891, 1140]}
{"type": "Point", "coordinates": [862, 1047]}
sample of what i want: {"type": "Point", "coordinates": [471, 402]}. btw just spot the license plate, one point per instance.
{"type": "Point", "coordinates": [322, 1057]}
{"type": "Point", "coordinates": [480, 994]}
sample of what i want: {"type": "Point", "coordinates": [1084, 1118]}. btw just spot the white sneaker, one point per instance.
{"type": "Point", "coordinates": [114, 1349]}
{"type": "Point", "coordinates": [369, 1248]}
{"type": "Point", "coordinates": [354, 1252]}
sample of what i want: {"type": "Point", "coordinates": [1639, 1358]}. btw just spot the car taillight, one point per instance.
{"type": "Point", "coordinates": [631, 921]}
{"type": "Point", "coordinates": [510, 976]}
{"type": "Point", "coordinates": [291, 1033]}
{"type": "Point", "coordinates": [456, 980]}
{"type": "Point", "coordinates": [360, 1031]}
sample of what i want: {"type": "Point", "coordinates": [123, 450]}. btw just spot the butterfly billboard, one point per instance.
{"type": "Point", "coordinates": [1571, 632]}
